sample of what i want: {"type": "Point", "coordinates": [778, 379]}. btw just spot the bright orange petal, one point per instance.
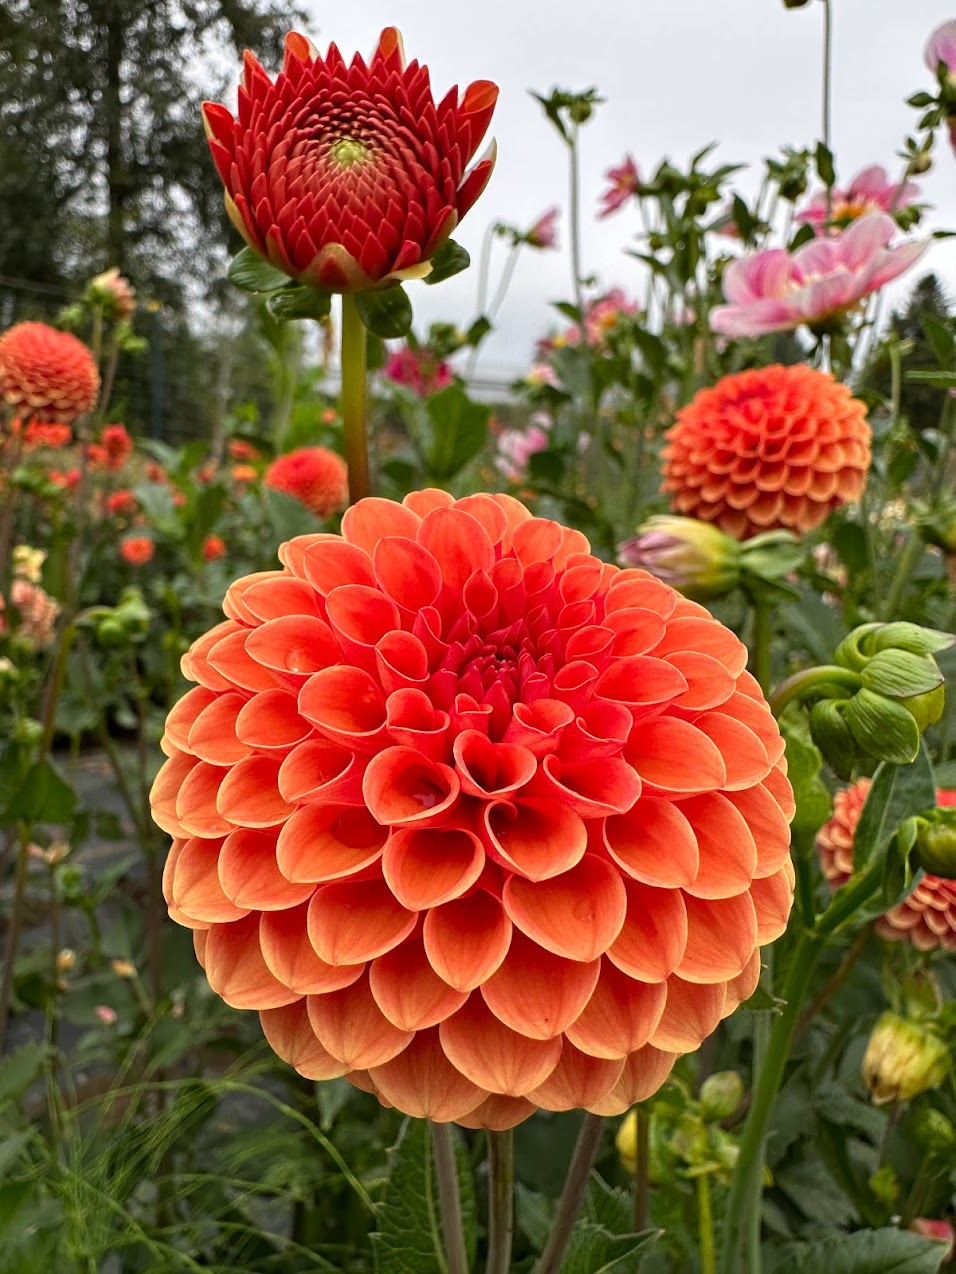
{"type": "Point", "coordinates": [352, 921]}
{"type": "Point", "coordinates": [236, 970]}
{"type": "Point", "coordinates": [537, 993]}
{"type": "Point", "coordinates": [721, 937]}
{"type": "Point", "coordinates": [351, 1026]}
{"type": "Point", "coordinates": [290, 1035]}
{"type": "Point", "coordinates": [578, 1081]}
{"type": "Point", "coordinates": [690, 1015]}
{"type": "Point", "coordinates": [467, 939]}
{"type": "Point", "coordinates": [651, 944]}
{"type": "Point", "coordinates": [409, 991]}
{"type": "Point", "coordinates": [422, 1082]}
{"type": "Point", "coordinates": [577, 914]}
{"type": "Point", "coordinates": [492, 1055]}
{"type": "Point", "coordinates": [621, 1015]}
{"type": "Point", "coordinates": [425, 867]}
{"type": "Point", "coordinates": [287, 950]}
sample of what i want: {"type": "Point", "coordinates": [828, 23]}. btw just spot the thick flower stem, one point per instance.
{"type": "Point", "coordinates": [572, 1195]}
{"type": "Point", "coordinates": [808, 681]}
{"type": "Point", "coordinates": [705, 1227]}
{"type": "Point", "coordinates": [574, 214]}
{"type": "Point", "coordinates": [449, 1199]}
{"type": "Point", "coordinates": [501, 1176]}
{"type": "Point", "coordinates": [354, 402]}
{"type": "Point", "coordinates": [13, 932]}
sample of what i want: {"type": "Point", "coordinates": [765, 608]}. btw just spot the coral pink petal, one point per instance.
{"type": "Point", "coordinates": [409, 991]}
{"type": "Point", "coordinates": [351, 1026]}
{"type": "Point", "coordinates": [537, 839]}
{"type": "Point", "coordinates": [690, 1015]}
{"type": "Point", "coordinates": [425, 867]}
{"type": "Point", "coordinates": [654, 843]}
{"type": "Point", "coordinates": [721, 937]}
{"type": "Point", "coordinates": [291, 1037]}
{"type": "Point", "coordinates": [422, 1082]}
{"type": "Point", "coordinates": [498, 1114]}
{"type": "Point", "coordinates": [537, 993]}
{"type": "Point", "coordinates": [236, 969]}
{"type": "Point", "coordinates": [644, 1073]}
{"type": "Point", "coordinates": [578, 1081]}
{"type": "Point", "coordinates": [576, 915]}
{"type": "Point", "coordinates": [652, 942]}
{"type": "Point", "coordinates": [728, 851]}
{"type": "Point", "coordinates": [249, 794]}
{"type": "Point", "coordinates": [467, 939]}
{"type": "Point", "coordinates": [287, 950]}
{"type": "Point", "coordinates": [328, 842]}
{"type": "Point", "coordinates": [250, 875]}
{"type": "Point", "coordinates": [494, 1056]}
{"type": "Point", "coordinates": [401, 787]}
{"type": "Point", "coordinates": [621, 1015]}
{"type": "Point", "coordinates": [352, 921]}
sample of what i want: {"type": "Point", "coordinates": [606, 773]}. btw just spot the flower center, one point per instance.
{"type": "Point", "coordinates": [348, 151]}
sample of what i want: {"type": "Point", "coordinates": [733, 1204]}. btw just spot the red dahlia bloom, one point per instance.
{"type": "Point", "coordinates": [38, 434]}
{"type": "Point", "coordinates": [471, 817]}
{"type": "Point", "coordinates": [46, 373]}
{"type": "Point", "coordinates": [349, 177]}
{"type": "Point", "coordinates": [213, 547]}
{"type": "Point", "coordinates": [314, 476]}
{"type": "Point", "coordinates": [137, 550]}
{"type": "Point", "coordinates": [775, 447]}
{"type": "Point", "coordinates": [927, 918]}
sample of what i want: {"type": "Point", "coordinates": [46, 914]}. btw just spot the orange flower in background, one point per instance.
{"type": "Point", "coordinates": [927, 918]}
{"type": "Point", "coordinates": [46, 373]}
{"type": "Point", "coordinates": [117, 446]}
{"type": "Point", "coordinates": [314, 476]}
{"type": "Point", "coordinates": [471, 817]}
{"type": "Point", "coordinates": [348, 177]}
{"type": "Point", "coordinates": [775, 447]}
{"type": "Point", "coordinates": [137, 550]}
{"type": "Point", "coordinates": [38, 434]}
{"type": "Point", "coordinates": [67, 480]}
{"type": "Point", "coordinates": [239, 449]}
{"type": "Point", "coordinates": [213, 547]}
{"type": "Point", "coordinates": [243, 473]}
{"type": "Point", "coordinates": [121, 502]}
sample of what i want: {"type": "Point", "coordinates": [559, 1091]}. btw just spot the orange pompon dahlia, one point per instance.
{"type": "Point", "coordinates": [314, 476]}
{"type": "Point", "coordinates": [927, 918]}
{"type": "Point", "coordinates": [775, 447]}
{"type": "Point", "coordinates": [46, 373]}
{"type": "Point", "coordinates": [471, 817]}
{"type": "Point", "coordinates": [349, 176]}
{"type": "Point", "coordinates": [137, 550]}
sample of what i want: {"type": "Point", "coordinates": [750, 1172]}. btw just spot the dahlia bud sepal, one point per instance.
{"type": "Point", "coordinates": [935, 842]}
{"type": "Point", "coordinates": [285, 299]}
{"type": "Point", "coordinates": [903, 1059]}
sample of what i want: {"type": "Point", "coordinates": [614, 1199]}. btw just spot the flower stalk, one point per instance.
{"type": "Point", "coordinates": [501, 1174]}
{"type": "Point", "coordinates": [449, 1199]}
{"type": "Point", "coordinates": [572, 1196]}
{"type": "Point", "coordinates": [354, 399]}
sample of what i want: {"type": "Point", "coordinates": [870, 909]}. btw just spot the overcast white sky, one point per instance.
{"type": "Point", "coordinates": [676, 74]}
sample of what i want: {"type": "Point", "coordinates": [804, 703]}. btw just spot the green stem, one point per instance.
{"type": "Point", "coordinates": [572, 1195]}
{"type": "Point", "coordinates": [13, 932]}
{"type": "Point", "coordinates": [809, 680]}
{"type": "Point", "coordinates": [705, 1226]}
{"type": "Point", "coordinates": [827, 89]}
{"type": "Point", "coordinates": [762, 1030]}
{"type": "Point", "coordinates": [449, 1199]}
{"type": "Point", "coordinates": [760, 642]}
{"type": "Point", "coordinates": [911, 554]}
{"type": "Point", "coordinates": [574, 220]}
{"type": "Point", "coordinates": [354, 401]}
{"type": "Point", "coordinates": [643, 1169]}
{"type": "Point", "coordinates": [501, 1176]}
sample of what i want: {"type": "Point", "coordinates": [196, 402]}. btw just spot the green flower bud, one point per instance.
{"type": "Point", "coordinates": [110, 632]}
{"type": "Point", "coordinates": [832, 735]}
{"type": "Point", "coordinates": [694, 557]}
{"type": "Point", "coordinates": [936, 842]}
{"type": "Point", "coordinates": [933, 1131]}
{"type": "Point", "coordinates": [28, 731]}
{"type": "Point", "coordinates": [903, 1059]}
{"type": "Point", "coordinates": [926, 709]}
{"type": "Point", "coordinates": [626, 1142]}
{"type": "Point", "coordinates": [721, 1094]}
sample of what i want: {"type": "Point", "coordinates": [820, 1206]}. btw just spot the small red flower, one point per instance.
{"type": "Point", "coordinates": [213, 547]}
{"type": "Point", "coordinates": [471, 817]}
{"type": "Point", "coordinates": [38, 434]}
{"type": "Point", "coordinates": [67, 480]}
{"type": "Point", "coordinates": [243, 473]}
{"type": "Point", "coordinates": [117, 446]}
{"type": "Point", "coordinates": [239, 449]}
{"type": "Point", "coordinates": [314, 476]}
{"type": "Point", "coordinates": [349, 177]}
{"type": "Point", "coordinates": [121, 502]}
{"type": "Point", "coordinates": [155, 472]}
{"type": "Point", "coordinates": [47, 373]}
{"type": "Point", "coordinates": [927, 918]}
{"type": "Point", "coordinates": [137, 550]}
{"type": "Point", "coordinates": [768, 448]}
{"type": "Point", "coordinates": [419, 370]}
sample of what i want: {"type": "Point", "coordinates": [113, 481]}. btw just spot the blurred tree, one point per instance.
{"type": "Point", "coordinates": [920, 403]}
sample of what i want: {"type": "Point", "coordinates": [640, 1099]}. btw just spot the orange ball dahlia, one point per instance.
{"type": "Point", "coordinates": [314, 476]}
{"type": "Point", "coordinates": [927, 918]}
{"type": "Point", "coordinates": [349, 176]}
{"type": "Point", "coordinates": [775, 447]}
{"type": "Point", "coordinates": [471, 817]}
{"type": "Point", "coordinates": [46, 373]}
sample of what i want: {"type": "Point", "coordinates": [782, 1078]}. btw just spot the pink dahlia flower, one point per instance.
{"type": "Point", "coordinates": [604, 314]}
{"type": "Point", "coordinates": [543, 234]}
{"type": "Point", "coordinates": [517, 446]}
{"type": "Point", "coordinates": [776, 290]}
{"type": "Point", "coordinates": [420, 370]}
{"type": "Point", "coordinates": [624, 183]}
{"type": "Point", "coordinates": [941, 47]}
{"type": "Point", "coordinates": [871, 190]}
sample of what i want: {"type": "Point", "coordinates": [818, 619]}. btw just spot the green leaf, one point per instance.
{"type": "Point", "coordinates": [454, 429]}
{"type": "Point", "coordinates": [942, 380]}
{"type": "Point", "coordinates": [450, 259]}
{"type": "Point", "coordinates": [289, 517]}
{"type": "Point", "coordinates": [804, 763]}
{"type": "Point", "coordinates": [478, 331]}
{"type": "Point", "coordinates": [252, 273]}
{"type": "Point", "coordinates": [332, 1096]}
{"type": "Point", "coordinates": [912, 637]}
{"type": "Point", "coordinates": [883, 729]}
{"type": "Point", "coordinates": [387, 313]}
{"type": "Point", "coordinates": [296, 301]}
{"type": "Point", "coordinates": [603, 1241]}
{"type": "Point", "coordinates": [887, 1251]}
{"type": "Point", "coordinates": [940, 338]}
{"type": "Point", "coordinates": [896, 794]}
{"type": "Point", "coordinates": [823, 157]}
{"type": "Point", "coordinates": [898, 673]}
{"type": "Point", "coordinates": [20, 1069]}
{"type": "Point", "coordinates": [409, 1236]}
{"type": "Point", "coordinates": [43, 796]}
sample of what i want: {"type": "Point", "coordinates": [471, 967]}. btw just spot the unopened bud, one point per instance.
{"type": "Point", "coordinates": [65, 960]}
{"type": "Point", "coordinates": [936, 842]}
{"type": "Point", "coordinates": [903, 1059]}
{"type": "Point", "coordinates": [694, 557]}
{"type": "Point", "coordinates": [933, 1131]}
{"type": "Point", "coordinates": [123, 968]}
{"type": "Point", "coordinates": [626, 1141]}
{"type": "Point", "coordinates": [721, 1094]}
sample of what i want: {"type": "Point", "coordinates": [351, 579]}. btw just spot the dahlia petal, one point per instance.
{"type": "Point", "coordinates": [537, 839]}
{"type": "Point", "coordinates": [476, 180]}
{"type": "Point", "coordinates": [592, 789]}
{"type": "Point", "coordinates": [196, 801]}
{"type": "Point", "coordinates": [361, 617]}
{"type": "Point", "coordinates": [236, 970]}
{"type": "Point", "coordinates": [768, 825]}
{"type": "Point", "coordinates": [193, 885]}
{"type": "Point", "coordinates": [212, 736]}
{"type": "Point", "coordinates": [346, 705]}
{"type": "Point", "coordinates": [640, 682]}
{"type": "Point", "coordinates": [320, 771]}
{"type": "Point", "coordinates": [408, 990]}
{"type": "Point", "coordinates": [165, 792]}
{"type": "Point", "coordinates": [721, 938]}
{"type": "Point", "coordinates": [494, 1056]}
{"type": "Point", "coordinates": [486, 510]}
{"type": "Point", "coordinates": [183, 715]}
{"type": "Point", "coordinates": [401, 662]}
{"type": "Point", "coordinates": [425, 867]}
{"type": "Point", "coordinates": [537, 993]}
{"type": "Point", "coordinates": [294, 644]}
{"type": "Point", "coordinates": [578, 1081]}
{"type": "Point", "coordinates": [742, 987]}
{"type": "Point", "coordinates": [277, 597]}
{"type": "Point", "coordinates": [352, 921]}
{"type": "Point", "coordinates": [249, 796]}
{"type": "Point", "coordinates": [407, 572]}
{"type": "Point", "coordinates": [268, 722]}
{"type": "Point", "coordinates": [498, 1113]}
{"type": "Point", "coordinates": [374, 519]}
{"type": "Point", "coordinates": [414, 722]}
{"type": "Point", "coordinates": [195, 662]}
{"type": "Point", "coordinates": [489, 769]}
{"type": "Point", "coordinates": [402, 787]}
{"type": "Point", "coordinates": [620, 1016]}
{"type": "Point", "coordinates": [654, 843]}
{"type": "Point", "coordinates": [351, 1026]}
{"type": "Point", "coordinates": [458, 543]}
{"type": "Point", "coordinates": [467, 939]}
{"type": "Point", "coordinates": [705, 637]}
{"type": "Point", "coordinates": [328, 842]}
{"type": "Point", "coordinates": [690, 1015]}
{"type": "Point", "coordinates": [728, 851]}
{"type": "Point", "coordinates": [421, 503]}
{"type": "Point", "coordinates": [644, 1073]}
{"type": "Point", "coordinates": [422, 1082]}
{"type": "Point", "coordinates": [290, 956]}
{"type": "Point", "coordinates": [778, 785]}
{"type": "Point", "coordinates": [709, 683]}
{"type": "Point", "coordinates": [673, 757]}
{"type": "Point", "coordinates": [331, 562]}
{"type": "Point", "coordinates": [538, 726]}
{"type": "Point", "coordinates": [250, 876]}
{"type": "Point", "coordinates": [744, 755]}
{"type": "Point", "coordinates": [576, 915]}
{"type": "Point", "coordinates": [291, 1037]}
{"type": "Point", "coordinates": [332, 269]}
{"type": "Point", "coordinates": [230, 660]}
{"type": "Point", "coordinates": [653, 939]}
{"type": "Point", "coordinates": [772, 899]}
